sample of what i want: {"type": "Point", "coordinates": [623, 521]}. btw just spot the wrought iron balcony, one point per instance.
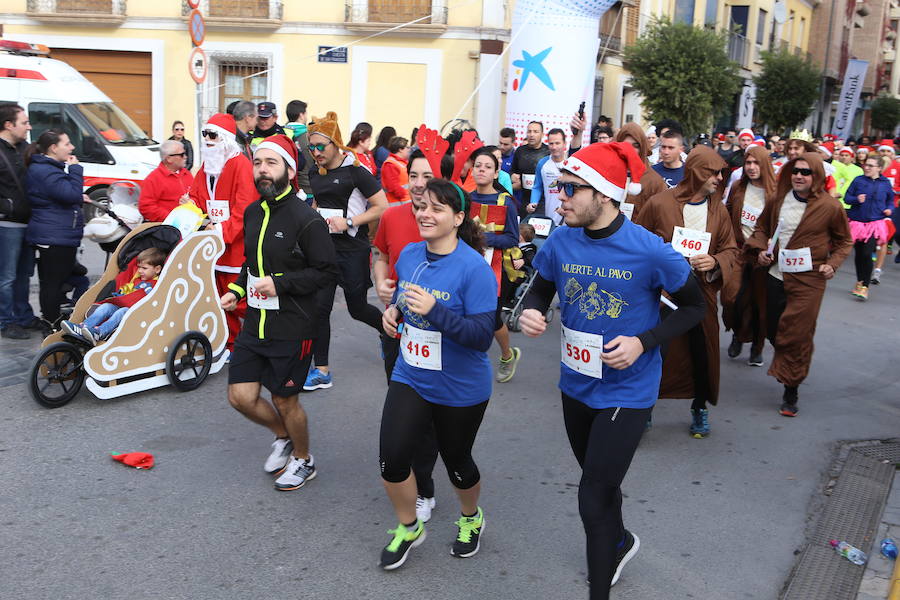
{"type": "Point", "coordinates": [429, 16]}
{"type": "Point", "coordinates": [77, 12]}
{"type": "Point", "coordinates": [239, 14]}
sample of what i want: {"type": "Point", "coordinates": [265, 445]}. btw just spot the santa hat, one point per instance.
{"type": "Point", "coordinates": [828, 137]}
{"type": "Point", "coordinates": [886, 144]}
{"type": "Point", "coordinates": [281, 145]}
{"type": "Point", "coordinates": [865, 149]}
{"type": "Point", "coordinates": [720, 137]}
{"type": "Point", "coordinates": [846, 150]}
{"type": "Point", "coordinates": [827, 148]}
{"type": "Point", "coordinates": [608, 168]}
{"type": "Point", "coordinates": [222, 124]}
{"type": "Point", "coordinates": [746, 133]}
{"type": "Point", "coordinates": [328, 126]}
{"type": "Point", "coordinates": [759, 143]}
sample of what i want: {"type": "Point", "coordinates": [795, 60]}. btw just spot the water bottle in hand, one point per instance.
{"type": "Point", "coordinates": [851, 553]}
{"type": "Point", "coordinates": [889, 548]}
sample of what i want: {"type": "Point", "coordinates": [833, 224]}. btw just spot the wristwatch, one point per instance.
{"type": "Point", "coordinates": [349, 222]}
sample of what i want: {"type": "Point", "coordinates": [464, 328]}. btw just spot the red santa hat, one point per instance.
{"type": "Point", "coordinates": [223, 124]}
{"type": "Point", "coordinates": [746, 133]}
{"type": "Point", "coordinates": [755, 144]}
{"type": "Point", "coordinates": [886, 144]}
{"type": "Point", "coordinates": [828, 137]}
{"type": "Point", "coordinates": [827, 148]}
{"type": "Point", "coordinates": [720, 137]}
{"type": "Point", "coordinates": [846, 150]}
{"type": "Point", "coordinates": [281, 145]}
{"type": "Point", "coordinates": [614, 169]}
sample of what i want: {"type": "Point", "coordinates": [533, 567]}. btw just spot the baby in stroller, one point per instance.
{"type": "Point", "coordinates": [107, 314]}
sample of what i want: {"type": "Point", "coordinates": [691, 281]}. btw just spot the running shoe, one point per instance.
{"type": "Point", "coordinates": [855, 290]}
{"type": "Point", "coordinates": [626, 553]}
{"type": "Point", "coordinates": [735, 348]}
{"type": "Point", "coordinates": [281, 453]}
{"type": "Point", "coordinates": [876, 277]}
{"type": "Point", "coordinates": [71, 328]}
{"type": "Point", "coordinates": [394, 554]}
{"type": "Point", "coordinates": [699, 422]}
{"type": "Point", "coordinates": [756, 359]}
{"type": "Point", "coordinates": [863, 293]}
{"type": "Point", "coordinates": [507, 368]}
{"type": "Point", "coordinates": [468, 540]}
{"type": "Point", "coordinates": [789, 409]}
{"type": "Point", "coordinates": [317, 380]}
{"type": "Point", "coordinates": [90, 335]}
{"type": "Point", "coordinates": [424, 506]}
{"type": "Point", "coordinates": [296, 474]}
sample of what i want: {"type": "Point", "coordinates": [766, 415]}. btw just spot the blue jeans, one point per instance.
{"type": "Point", "coordinates": [105, 318]}
{"type": "Point", "coordinates": [16, 268]}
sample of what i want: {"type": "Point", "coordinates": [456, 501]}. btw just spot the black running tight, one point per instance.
{"type": "Point", "coordinates": [862, 258]}
{"type": "Point", "coordinates": [604, 442]}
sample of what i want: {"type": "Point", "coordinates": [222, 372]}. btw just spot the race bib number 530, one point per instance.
{"type": "Point", "coordinates": [581, 352]}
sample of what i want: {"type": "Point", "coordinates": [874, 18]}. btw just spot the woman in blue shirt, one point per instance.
{"type": "Point", "coordinates": [871, 200]}
{"type": "Point", "coordinates": [444, 309]}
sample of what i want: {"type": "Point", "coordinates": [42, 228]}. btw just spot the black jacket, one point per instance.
{"type": "Point", "coordinates": [297, 252]}
{"type": "Point", "coordinates": [14, 205]}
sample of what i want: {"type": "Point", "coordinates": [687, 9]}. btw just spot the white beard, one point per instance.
{"type": "Point", "coordinates": [215, 157]}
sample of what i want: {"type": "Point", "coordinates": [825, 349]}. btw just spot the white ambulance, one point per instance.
{"type": "Point", "coordinates": [109, 145]}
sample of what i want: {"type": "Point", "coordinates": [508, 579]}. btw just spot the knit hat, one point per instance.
{"type": "Point", "coordinates": [827, 148]}
{"type": "Point", "coordinates": [886, 144]}
{"type": "Point", "coordinates": [746, 133]}
{"type": "Point", "coordinates": [223, 124]}
{"type": "Point", "coordinates": [328, 126]}
{"type": "Point", "coordinates": [607, 168]}
{"type": "Point", "coordinates": [281, 145]}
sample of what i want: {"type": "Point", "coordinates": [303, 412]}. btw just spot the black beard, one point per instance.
{"type": "Point", "coordinates": [269, 189]}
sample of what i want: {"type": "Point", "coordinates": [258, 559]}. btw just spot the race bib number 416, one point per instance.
{"type": "Point", "coordinates": [581, 352]}
{"type": "Point", "coordinates": [421, 348]}
{"type": "Point", "coordinates": [690, 242]}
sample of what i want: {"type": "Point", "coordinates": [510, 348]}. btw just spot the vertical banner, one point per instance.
{"type": "Point", "coordinates": [552, 62]}
{"type": "Point", "coordinates": [849, 99]}
{"type": "Point", "coordinates": [745, 106]}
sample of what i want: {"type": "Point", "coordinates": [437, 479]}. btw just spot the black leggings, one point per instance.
{"type": "Point", "coordinates": [55, 264]}
{"type": "Point", "coordinates": [863, 259]}
{"type": "Point", "coordinates": [604, 442]}
{"type": "Point", "coordinates": [425, 455]}
{"type": "Point", "coordinates": [354, 280]}
{"type": "Point", "coordinates": [406, 416]}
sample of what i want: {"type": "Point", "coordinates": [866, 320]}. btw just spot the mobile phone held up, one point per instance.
{"type": "Point", "coordinates": [576, 131]}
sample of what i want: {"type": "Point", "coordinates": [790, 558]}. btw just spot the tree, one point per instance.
{"type": "Point", "coordinates": [885, 114]}
{"type": "Point", "coordinates": [786, 90]}
{"type": "Point", "coordinates": [682, 72]}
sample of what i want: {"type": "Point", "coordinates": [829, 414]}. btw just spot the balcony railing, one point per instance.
{"type": "Point", "coordinates": [611, 43]}
{"type": "Point", "coordinates": [239, 14]}
{"type": "Point", "coordinates": [430, 16]}
{"type": "Point", "coordinates": [111, 12]}
{"type": "Point", "coordinates": [739, 49]}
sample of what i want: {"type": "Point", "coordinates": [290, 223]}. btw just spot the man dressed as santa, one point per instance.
{"type": "Point", "coordinates": [222, 189]}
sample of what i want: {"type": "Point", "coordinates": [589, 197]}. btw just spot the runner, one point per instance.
{"type": "Point", "coordinates": [811, 231]}
{"type": "Point", "coordinates": [871, 198]}
{"type": "Point", "coordinates": [397, 230]}
{"type": "Point", "coordinates": [608, 273]}
{"type": "Point", "coordinates": [693, 219]}
{"type": "Point", "coordinates": [349, 198]}
{"type": "Point", "coordinates": [289, 258]}
{"type": "Point", "coordinates": [446, 301]}
{"type": "Point", "coordinates": [745, 315]}
{"type": "Point", "coordinates": [496, 213]}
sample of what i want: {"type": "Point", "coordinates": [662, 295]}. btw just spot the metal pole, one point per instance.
{"type": "Point", "coordinates": [822, 99]}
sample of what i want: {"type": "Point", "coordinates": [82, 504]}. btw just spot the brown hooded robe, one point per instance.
{"type": "Point", "coordinates": [749, 301]}
{"type": "Point", "coordinates": [824, 229]}
{"type": "Point", "coordinates": [651, 182]}
{"type": "Point", "coordinates": [661, 214]}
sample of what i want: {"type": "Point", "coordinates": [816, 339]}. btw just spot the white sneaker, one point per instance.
{"type": "Point", "coordinates": [424, 506]}
{"type": "Point", "coordinates": [296, 474]}
{"type": "Point", "coordinates": [281, 452]}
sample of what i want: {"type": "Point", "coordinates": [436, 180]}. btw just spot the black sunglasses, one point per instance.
{"type": "Point", "coordinates": [209, 134]}
{"type": "Point", "coordinates": [569, 187]}
{"type": "Point", "coordinates": [804, 172]}
{"type": "Point", "coordinates": [179, 154]}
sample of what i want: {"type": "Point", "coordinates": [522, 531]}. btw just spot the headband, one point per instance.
{"type": "Point", "coordinates": [462, 197]}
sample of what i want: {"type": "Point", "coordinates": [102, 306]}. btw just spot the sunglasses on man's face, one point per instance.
{"type": "Point", "coordinates": [804, 172]}
{"type": "Point", "coordinates": [318, 147]}
{"type": "Point", "coordinates": [209, 134]}
{"type": "Point", "coordinates": [570, 187]}
{"type": "Point", "coordinates": [179, 154]}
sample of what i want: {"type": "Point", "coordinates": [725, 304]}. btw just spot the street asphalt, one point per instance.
{"type": "Point", "coordinates": [718, 518]}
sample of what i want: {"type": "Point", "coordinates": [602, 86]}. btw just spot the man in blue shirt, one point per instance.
{"type": "Point", "coordinates": [670, 166]}
{"type": "Point", "coordinates": [608, 273]}
{"type": "Point", "coordinates": [507, 145]}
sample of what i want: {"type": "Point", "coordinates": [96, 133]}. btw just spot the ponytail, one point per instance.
{"type": "Point", "coordinates": [453, 196]}
{"type": "Point", "coordinates": [49, 138]}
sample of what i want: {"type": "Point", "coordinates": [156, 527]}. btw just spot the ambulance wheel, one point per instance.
{"type": "Point", "coordinates": [189, 361]}
{"type": "Point", "coordinates": [56, 375]}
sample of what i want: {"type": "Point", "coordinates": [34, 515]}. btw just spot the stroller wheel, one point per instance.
{"type": "Point", "coordinates": [189, 362]}
{"type": "Point", "coordinates": [56, 375]}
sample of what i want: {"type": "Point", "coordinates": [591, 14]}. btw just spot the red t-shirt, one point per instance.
{"type": "Point", "coordinates": [893, 175]}
{"type": "Point", "coordinates": [397, 229]}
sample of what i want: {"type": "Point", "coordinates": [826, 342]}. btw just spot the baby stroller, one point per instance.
{"type": "Point", "coordinates": [176, 334]}
{"type": "Point", "coordinates": [543, 227]}
{"type": "Point", "coordinates": [115, 217]}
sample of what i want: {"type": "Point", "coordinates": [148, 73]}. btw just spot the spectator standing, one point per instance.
{"type": "Point", "coordinates": [168, 185]}
{"type": "Point", "coordinates": [245, 121]}
{"type": "Point", "coordinates": [381, 149]}
{"type": "Point", "coordinates": [295, 128]}
{"type": "Point", "coordinates": [178, 136]}
{"type": "Point", "coordinates": [524, 165]}
{"type": "Point", "coordinates": [394, 178]}
{"type": "Point", "coordinates": [266, 124]}
{"type": "Point", "coordinates": [360, 144]}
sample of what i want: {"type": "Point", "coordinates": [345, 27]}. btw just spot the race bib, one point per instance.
{"type": "Point", "coordinates": [421, 348]}
{"type": "Point", "coordinates": [749, 215]}
{"type": "Point", "coordinates": [257, 299]}
{"type": "Point", "coordinates": [527, 181]}
{"type": "Point", "coordinates": [542, 227]}
{"type": "Point", "coordinates": [627, 209]}
{"type": "Point", "coordinates": [581, 352]}
{"type": "Point", "coordinates": [797, 260]}
{"type": "Point", "coordinates": [690, 242]}
{"type": "Point", "coordinates": [329, 213]}
{"type": "Point", "coordinates": [218, 210]}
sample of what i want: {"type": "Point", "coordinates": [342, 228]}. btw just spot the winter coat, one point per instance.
{"type": "Point", "coordinates": [56, 202]}
{"type": "Point", "coordinates": [879, 197]}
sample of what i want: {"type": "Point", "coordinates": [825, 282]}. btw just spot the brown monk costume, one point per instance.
{"type": "Point", "coordinates": [691, 363]}
{"type": "Point", "coordinates": [794, 299]}
{"type": "Point", "coordinates": [651, 182]}
{"type": "Point", "coordinates": [745, 314]}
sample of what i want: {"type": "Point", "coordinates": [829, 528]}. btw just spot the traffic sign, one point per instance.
{"type": "Point", "coordinates": [197, 27]}
{"type": "Point", "coordinates": [194, 4]}
{"type": "Point", "coordinates": [198, 65]}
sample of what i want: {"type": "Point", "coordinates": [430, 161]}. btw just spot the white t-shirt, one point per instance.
{"type": "Point", "coordinates": [791, 214]}
{"type": "Point", "coordinates": [549, 174]}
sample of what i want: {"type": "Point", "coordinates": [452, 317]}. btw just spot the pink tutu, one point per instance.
{"type": "Point", "coordinates": [861, 232]}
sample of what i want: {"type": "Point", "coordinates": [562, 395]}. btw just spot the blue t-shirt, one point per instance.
{"type": "Point", "coordinates": [464, 284]}
{"type": "Point", "coordinates": [672, 177]}
{"type": "Point", "coordinates": [611, 287]}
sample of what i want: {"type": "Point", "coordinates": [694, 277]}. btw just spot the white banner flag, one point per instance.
{"type": "Point", "coordinates": [849, 100]}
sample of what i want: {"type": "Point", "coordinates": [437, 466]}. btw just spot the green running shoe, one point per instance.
{"type": "Point", "coordinates": [468, 540]}
{"type": "Point", "coordinates": [394, 554]}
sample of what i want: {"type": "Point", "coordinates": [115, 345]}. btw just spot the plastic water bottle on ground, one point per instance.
{"type": "Point", "coordinates": [851, 553]}
{"type": "Point", "coordinates": [889, 548]}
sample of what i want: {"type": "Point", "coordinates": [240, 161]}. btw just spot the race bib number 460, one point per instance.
{"type": "Point", "coordinates": [257, 299]}
{"type": "Point", "coordinates": [797, 260]}
{"type": "Point", "coordinates": [421, 348]}
{"type": "Point", "coordinates": [581, 352]}
{"type": "Point", "coordinates": [218, 210]}
{"type": "Point", "coordinates": [690, 242]}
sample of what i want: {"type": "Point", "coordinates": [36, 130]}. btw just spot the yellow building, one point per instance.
{"type": "Point", "coordinates": [137, 52]}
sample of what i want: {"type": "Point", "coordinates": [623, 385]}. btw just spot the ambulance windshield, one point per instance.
{"type": "Point", "coordinates": [114, 126]}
